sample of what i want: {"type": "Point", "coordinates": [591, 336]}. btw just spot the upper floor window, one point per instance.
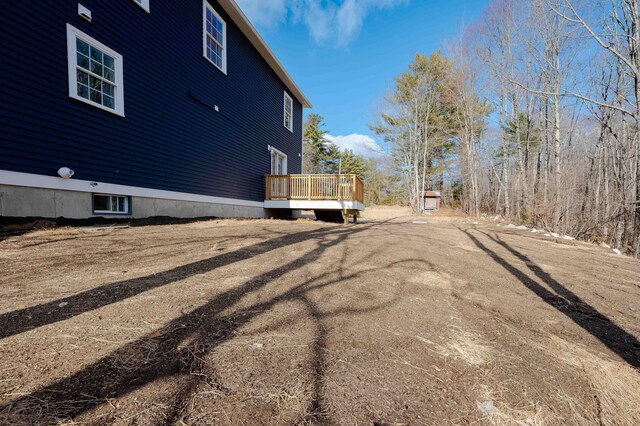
{"type": "Point", "coordinates": [143, 4]}
{"type": "Point", "coordinates": [95, 72]}
{"type": "Point", "coordinates": [214, 37]}
{"type": "Point", "coordinates": [288, 112]}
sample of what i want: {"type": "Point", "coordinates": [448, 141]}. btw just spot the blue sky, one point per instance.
{"type": "Point", "coordinates": [344, 53]}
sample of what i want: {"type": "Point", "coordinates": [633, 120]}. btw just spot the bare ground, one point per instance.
{"type": "Point", "coordinates": [394, 321]}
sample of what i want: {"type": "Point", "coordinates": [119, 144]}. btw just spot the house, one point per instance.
{"type": "Point", "coordinates": [139, 108]}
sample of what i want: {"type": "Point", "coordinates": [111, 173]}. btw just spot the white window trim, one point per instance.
{"type": "Point", "coordinates": [284, 158]}
{"type": "Point", "coordinates": [206, 6]}
{"type": "Point", "coordinates": [284, 118]}
{"type": "Point", "coordinates": [144, 4]}
{"type": "Point", "coordinates": [72, 34]}
{"type": "Point", "coordinates": [127, 204]}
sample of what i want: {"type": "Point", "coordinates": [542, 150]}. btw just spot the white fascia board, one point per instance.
{"type": "Point", "coordinates": [256, 40]}
{"type": "Point", "coordinates": [52, 182]}
{"type": "Point", "coordinates": [313, 205]}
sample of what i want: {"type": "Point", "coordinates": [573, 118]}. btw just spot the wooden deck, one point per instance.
{"type": "Point", "coordinates": [314, 192]}
{"type": "Point", "coordinates": [315, 187]}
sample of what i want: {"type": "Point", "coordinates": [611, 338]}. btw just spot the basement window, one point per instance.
{"type": "Point", "coordinates": [95, 72]}
{"type": "Point", "coordinates": [110, 204]}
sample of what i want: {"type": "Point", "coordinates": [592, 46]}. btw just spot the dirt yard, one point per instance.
{"type": "Point", "coordinates": [427, 320]}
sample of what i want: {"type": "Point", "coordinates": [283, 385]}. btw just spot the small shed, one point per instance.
{"type": "Point", "coordinates": [431, 200]}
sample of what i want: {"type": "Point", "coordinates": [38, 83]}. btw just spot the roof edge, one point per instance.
{"type": "Point", "coordinates": [257, 41]}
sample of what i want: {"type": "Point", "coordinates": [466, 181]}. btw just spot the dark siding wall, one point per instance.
{"type": "Point", "coordinates": [170, 138]}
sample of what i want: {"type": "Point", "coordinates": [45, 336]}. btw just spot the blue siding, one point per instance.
{"type": "Point", "coordinates": [170, 138]}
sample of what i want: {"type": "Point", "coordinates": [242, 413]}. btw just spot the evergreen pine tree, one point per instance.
{"type": "Point", "coordinates": [315, 143]}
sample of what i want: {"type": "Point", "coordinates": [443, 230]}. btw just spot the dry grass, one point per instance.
{"type": "Point", "coordinates": [290, 400]}
{"type": "Point", "coordinates": [386, 212]}
{"type": "Point", "coordinates": [449, 212]}
{"type": "Point", "coordinates": [614, 384]}
{"type": "Point", "coordinates": [47, 233]}
{"type": "Point", "coordinates": [467, 346]}
{"type": "Point", "coordinates": [391, 212]}
{"type": "Point", "coordinates": [433, 279]}
{"type": "Point", "coordinates": [499, 413]}
{"type": "Point", "coordinates": [37, 237]}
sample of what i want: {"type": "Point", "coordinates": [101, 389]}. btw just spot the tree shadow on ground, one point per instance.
{"type": "Point", "coordinates": [178, 348]}
{"type": "Point", "coordinates": [26, 319]}
{"type": "Point", "coordinates": [564, 300]}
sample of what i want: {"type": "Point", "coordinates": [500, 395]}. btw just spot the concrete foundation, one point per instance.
{"type": "Point", "coordinates": [22, 201]}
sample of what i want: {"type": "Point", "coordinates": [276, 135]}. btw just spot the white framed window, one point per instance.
{"type": "Point", "coordinates": [95, 72]}
{"type": "Point", "coordinates": [214, 37]}
{"type": "Point", "coordinates": [110, 204]}
{"type": "Point", "coordinates": [143, 4]}
{"type": "Point", "coordinates": [278, 162]}
{"type": "Point", "coordinates": [288, 112]}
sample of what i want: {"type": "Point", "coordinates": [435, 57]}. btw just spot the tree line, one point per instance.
{"type": "Point", "coordinates": [533, 113]}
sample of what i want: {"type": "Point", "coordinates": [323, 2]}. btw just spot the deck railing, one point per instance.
{"type": "Point", "coordinates": [315, 187]}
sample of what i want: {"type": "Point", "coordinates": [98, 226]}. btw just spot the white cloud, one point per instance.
{"type": "Point", "coordinates": [330, 22]}
{"type": "Point", "coordinates": [360, 144]}
{"type": "Point", "coordinates": [265, 13]}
